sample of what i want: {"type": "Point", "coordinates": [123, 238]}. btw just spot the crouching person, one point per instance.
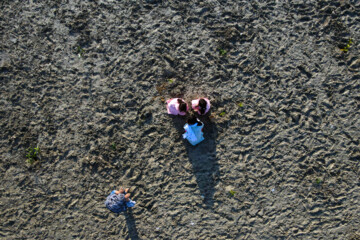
{"type": "Point", "coordinates": [193, 130]}
{"type": "Point", "coordinates": [119, 200]}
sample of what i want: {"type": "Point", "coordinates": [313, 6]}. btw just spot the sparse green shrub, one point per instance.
{"type": "Point", "coordinates": [80, 51]}
{"type": "Point", "coordinates": [222, 52]}
{"type": "Point", "coordinates": [318, 181]}
{"type": "Point", "coordinates": [232, 193]}
{"type": "Point", "coordinates": [346, 48]}
{"type": "Point", "coordinates": [113, 146]}
{"type": "Point", "coordinates": [32, 155]}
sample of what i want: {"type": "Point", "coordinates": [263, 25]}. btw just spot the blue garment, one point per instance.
{"type": "Point", "coordinates": [194, 133]}
{"type": "Point", "coordinates": [117, 203]}
{"type": "Point", "coordinates": [130, 203]}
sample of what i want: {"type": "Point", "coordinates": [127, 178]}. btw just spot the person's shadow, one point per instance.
{"type": "Point", "coordinates": [203, 159]}
{"type": "Point", "coordinates": [131, 224]}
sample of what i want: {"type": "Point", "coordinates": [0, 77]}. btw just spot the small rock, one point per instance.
{"type": "Point", "coordinates": [130, 103]}
{"type": "Point", "coordinates": [229, 188]}
{"type": "Point", "coordinates": [355, 65]}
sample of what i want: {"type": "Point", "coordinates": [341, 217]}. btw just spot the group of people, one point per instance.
{"type": "Point", "coordinates": [193, 127]}
{"type": "Point", "coordinates": [119, 200]}
{"type": "Point", "coordinates": [177, 106]}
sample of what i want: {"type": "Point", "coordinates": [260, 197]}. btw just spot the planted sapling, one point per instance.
{"type": "Point", "coordinates": [232, 193]}
{"type": "Point", "coordinates": [32, 155]}
{"type": "Point", "coordinates": [346, 48]}
{"type": "Point", "coordinates": [222, 52]}
{"type": "Point", "coordinates": [113, 146]}
{"type": "Point", "coordinates": [222, 114]}
{"type": "Point", "coordinates": [80, 51]}
{"type": "Point", "coordinates": [318, 181]}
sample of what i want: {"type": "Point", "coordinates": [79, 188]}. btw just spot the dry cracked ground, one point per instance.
{"type": "Point", "coordinates": [86, 82]}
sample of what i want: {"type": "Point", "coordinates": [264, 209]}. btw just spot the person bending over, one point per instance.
{"type": "Point", "coordinates": [201, 105]}
{"type": "Point", "coordinates": [119, 200]}
{"type": "Point", "coordinates": [176, 106]}
{"type": "Point", "coordinates": [193, 130]}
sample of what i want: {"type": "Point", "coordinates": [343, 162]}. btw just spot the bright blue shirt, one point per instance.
{"type": "Point", "coordinates": [194, 133]}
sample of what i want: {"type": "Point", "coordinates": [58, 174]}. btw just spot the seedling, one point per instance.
{"type": "Point", "coordinates": [32, 155]}
{"type": "Point", "coordinates": [80, 51]}
{"type": "Point", "coordinates": [222, 52]}
{"type": "Point", "coordinates": [140, 122]}
{"type": "Point", "coordinates": [240, 104]}
{"type": "Point", "coordinates": [232, 193]}
{"type": "Point", "coordinates": [346, 48]}
{"type": "Point", "coordinates": [170, 80]}
{"type": "Point", "coordinates": [318, 181]}
{"type": "Point", "coordinates": [113, 146]}
{"type": "Point", "coordinates": [222, 114]}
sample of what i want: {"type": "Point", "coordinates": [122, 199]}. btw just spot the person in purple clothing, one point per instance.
{"type": "Point", "coordinates": [201, 105]}
{"type": "Point", "coordinates": [119, 200]}
{"type": "Point", "coordinates": [176, 106]}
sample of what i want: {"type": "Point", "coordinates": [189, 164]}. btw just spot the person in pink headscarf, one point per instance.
{"type": "Point", "coordinates": [201, 105]}
{"type": "Point", "coordinates": [176, 106]}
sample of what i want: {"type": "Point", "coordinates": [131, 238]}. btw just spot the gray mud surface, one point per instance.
{"type": "Point", "coordinates": [86, 82]}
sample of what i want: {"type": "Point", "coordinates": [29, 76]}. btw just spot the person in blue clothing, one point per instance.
{"type": "Point", "coordinates": [119, 200]}
{"type": "Point", "coordinates": [193, 130]}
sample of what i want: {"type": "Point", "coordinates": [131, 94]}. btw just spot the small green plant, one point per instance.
{"type": "Point", "coordinates": [222, 114]}
{"type": "Point", "coordinates": [170, 80]}
{"type": "Point", "coordinates": [33, 155]}
{"type": "Point", "coordinates": [222, 52]}
{"type": "Point", "coordinates": [113, 146]}
{"type": "Point", "coordinates": [346, 48]}
{"type": "Point", "coordinates": [140, 122]}
{"type": "Point", "coordinates": [80, 51]}
{"type": "Point", "coordinates": [232, 193]}
{"type": "Point", "coordinates": [240, 104]}
{"type": "Point", "coordinates": [318, 181]}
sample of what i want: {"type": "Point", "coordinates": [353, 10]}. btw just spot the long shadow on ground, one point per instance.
{"type": "Point", "coordinates": [131, 224]}
{"type": "Point", "coordinates": [203, 159]}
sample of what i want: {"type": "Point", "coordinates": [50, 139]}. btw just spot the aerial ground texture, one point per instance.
{"type": "Point", "coordinates": [86, 82]}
